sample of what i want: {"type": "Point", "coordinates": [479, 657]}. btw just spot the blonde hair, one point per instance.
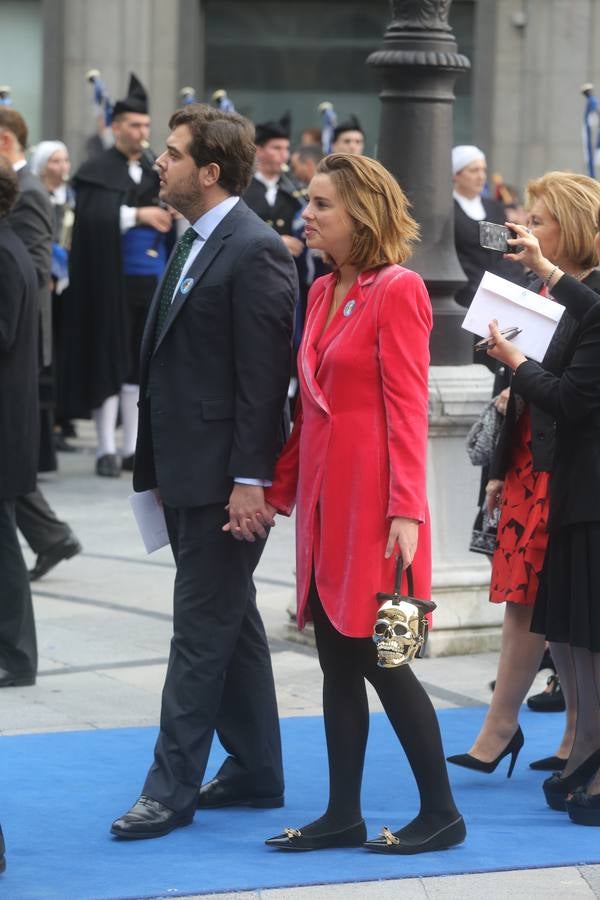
{"type": "Point", "coordinates": [384, 229]}
{"type": "Point", "coordinates": [574, 201]}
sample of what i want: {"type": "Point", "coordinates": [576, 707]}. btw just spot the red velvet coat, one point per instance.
{"type": "Point", "coordinates": [357, 454]}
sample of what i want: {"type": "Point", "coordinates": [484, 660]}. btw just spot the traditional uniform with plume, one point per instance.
{"type": "Point", "coordinates": [113, 271]}
{"type": "Point", "coordinates": [277, 210]}
{"type": "Point", "coordinates": [281, 208]}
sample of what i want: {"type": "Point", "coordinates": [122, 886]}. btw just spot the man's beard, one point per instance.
{"type": "Point", "coordinates": [183, 197]}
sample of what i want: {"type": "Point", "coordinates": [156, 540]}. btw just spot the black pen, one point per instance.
{"type": "Point", "coordinates": [508, 333]}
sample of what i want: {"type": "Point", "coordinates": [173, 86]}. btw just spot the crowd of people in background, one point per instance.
{"type": "Point", "coordinates": [96, 270]}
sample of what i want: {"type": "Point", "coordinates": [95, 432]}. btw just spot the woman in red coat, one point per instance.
{"type": "Point", "coordinates": [354, 467]}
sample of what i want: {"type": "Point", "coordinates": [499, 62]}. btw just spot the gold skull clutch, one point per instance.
{"type": "Point", "coordinates": [400, 630]}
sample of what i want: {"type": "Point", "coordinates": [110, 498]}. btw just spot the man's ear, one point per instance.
{"type": "Point", "coordinates": [210, 174]}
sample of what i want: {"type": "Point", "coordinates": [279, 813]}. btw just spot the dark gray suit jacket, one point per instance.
{"type": "Point", "coordinates": [31, 219]}
{"type": "Point", "coordinates": [19, 415]}
{"type": "Point", "coordinates": [214, 386]}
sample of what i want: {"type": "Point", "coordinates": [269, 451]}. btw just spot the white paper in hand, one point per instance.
{"type": "Point", "coordinates": [536, 316]}
{"type": "Point", "coordinates": [150, 518]}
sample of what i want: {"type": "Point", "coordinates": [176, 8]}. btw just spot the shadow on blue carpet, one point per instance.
{"type": "Point", "coordinates": [60, 793]}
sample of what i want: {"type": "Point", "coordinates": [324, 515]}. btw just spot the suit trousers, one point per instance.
{"type": "Point", "coordinates": [219, 676]}
{"type": "Point", "coordinates": [38, 523]}
{"type": "Point", "coordinates": [18, 645]}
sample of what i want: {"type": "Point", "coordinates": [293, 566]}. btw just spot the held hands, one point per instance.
{"type": "Point", "coordinates": [404, 533]}
{"type": "Point", "coordinates": [249, 513]}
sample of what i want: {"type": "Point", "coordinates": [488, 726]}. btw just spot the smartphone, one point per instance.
{"type": "Point", "coordinates": [493, 237]}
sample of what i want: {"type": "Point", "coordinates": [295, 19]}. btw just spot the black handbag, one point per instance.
{"type": "Point", "coordinates": [485, 531]}
{"type": "Point", "coordinates": [400, 630]}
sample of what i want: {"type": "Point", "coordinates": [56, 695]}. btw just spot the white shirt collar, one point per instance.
{"type": "Point", "coordinates": [206, 224]}
{"type": "Point", "coordinates": [268, 182]}
{"type": "Point", "coordinates": [20, 164]}
{"type": "Point", "coordinates": [471, 206]}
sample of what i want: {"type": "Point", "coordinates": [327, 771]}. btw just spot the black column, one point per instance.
{"type": "Point", "coordinates": [417, 67]}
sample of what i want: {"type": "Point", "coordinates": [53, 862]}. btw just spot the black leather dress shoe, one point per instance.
{"type": "Point", "coordinates": [65, 549]}
{"type": "Point", "coordinates": [293, 839]}
{"type": "Point", "coordinates": [108, 466]}
{"type": "Point", "coordinates": [218, 793]}
{"type": "Point", "coordinates": [127, 463]}
{"type": "Point", "coordinates": [12, 679]}
{"type": "Point", "coordinates": [62, 445]}
{"type": "Point", "coordinates": [446, 837]}
{"type": "Point", "coordinates": [148, 818]}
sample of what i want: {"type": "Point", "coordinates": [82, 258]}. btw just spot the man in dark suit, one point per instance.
{"type": "Point", "coordinates": [31, 219]}
{"type": "Point", "coordinates": [215, 366]}
{"type": "Point", "coordinates": [19, 424]}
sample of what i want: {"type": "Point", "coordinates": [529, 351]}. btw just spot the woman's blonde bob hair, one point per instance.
{"type": "Point", "coordinates": [384, 230]}
{"type": "Point", "coordinates": [574, 201]}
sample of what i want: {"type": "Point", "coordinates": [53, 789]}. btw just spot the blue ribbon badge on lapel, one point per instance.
{"type": "Point", "coordinates": [186, 285]}
{"type": "Point", "coordinates": [349, 308]}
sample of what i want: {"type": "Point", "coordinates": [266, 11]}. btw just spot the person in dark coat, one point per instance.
{"type": "Point", "coordinates": [469, 175]}
{"type": "Point", "coordinates": [118, 252]}
{"type": "Point", "coordinates": [19, 439]}
{"type": "Point", "coordinates": [31, 218]}
{"type": "Point", "coordinates": [215, 368]}
{"type": "Point", "coordinates": [566, 607]}
{"type": "Point", "coordinates": [272, 194]}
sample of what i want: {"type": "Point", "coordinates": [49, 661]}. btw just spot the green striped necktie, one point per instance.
{"type": "Point", "coordinates": [171, 279]}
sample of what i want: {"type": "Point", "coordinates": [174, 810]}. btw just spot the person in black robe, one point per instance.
{"type": "Point", "coordinates": [118, 253]}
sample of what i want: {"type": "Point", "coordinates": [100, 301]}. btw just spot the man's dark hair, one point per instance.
{"type": "Point", "coordinates": [11, 120]}
{"type": "Point", "coordinates": [224, 138]}
{"type": "Point", "coordinates": [9, 187]}
{"type": "Point", "coordinates": [310, 151]}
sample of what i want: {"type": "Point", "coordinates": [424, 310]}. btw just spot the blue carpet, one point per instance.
{"type": "Point", "coordinates": [60, 792]}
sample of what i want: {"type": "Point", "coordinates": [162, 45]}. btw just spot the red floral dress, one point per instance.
{"type": "Point", "coordinates": [522, 535]}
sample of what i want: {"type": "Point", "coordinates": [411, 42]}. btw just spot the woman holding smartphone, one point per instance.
{"type": "Point", "coordinates": [563, 211]}
{"type": "Point", "coordinates": [567, 609]}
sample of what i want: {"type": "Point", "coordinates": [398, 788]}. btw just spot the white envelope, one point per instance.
{"type": "Point", "coordinates": [536, 316]}
{"type": "Point", "coordinates": [150, 518]}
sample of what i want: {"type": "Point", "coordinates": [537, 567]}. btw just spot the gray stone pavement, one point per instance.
{"type": "Point", "coordinates": [104, 624]}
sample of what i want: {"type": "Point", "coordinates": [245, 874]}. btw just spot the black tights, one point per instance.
{"type": "Point", "coordinates": [346, 663]}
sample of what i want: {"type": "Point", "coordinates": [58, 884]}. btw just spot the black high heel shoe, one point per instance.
{"type": "Point", "coordinates": [293, 839]}
{"type": "Point", "coordinates": [513, 748]}
{"type": "Point", "coordinates": [558, 787]}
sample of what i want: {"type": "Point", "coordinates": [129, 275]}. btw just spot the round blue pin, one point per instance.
{"type": "Point", "coordinates": [186, 285]}
{"type": "Point", "coordinates": [349, 308]}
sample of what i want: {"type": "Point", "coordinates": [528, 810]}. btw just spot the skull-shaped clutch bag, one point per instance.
{"type": "Point", "coordinates": [400, 630]}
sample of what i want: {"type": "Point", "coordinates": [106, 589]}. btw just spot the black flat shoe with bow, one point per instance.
{"type": "Point", "coordinates": [293, 839]}
{"type": "Point", "coordinates": [392, 842]}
